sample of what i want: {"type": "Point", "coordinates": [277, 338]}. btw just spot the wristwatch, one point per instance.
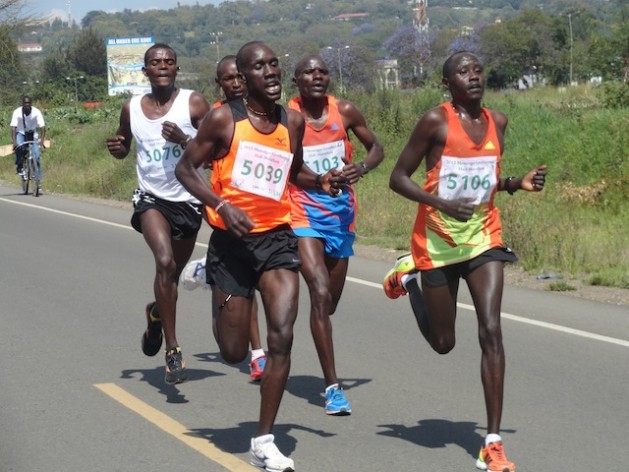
{"type": "Point", "coordinates": [365, 167]}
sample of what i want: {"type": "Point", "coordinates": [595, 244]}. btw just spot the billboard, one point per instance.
{"type": "Point", "coordinates": [125, 59]}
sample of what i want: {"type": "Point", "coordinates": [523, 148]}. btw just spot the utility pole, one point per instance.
{"type": "Point", "coordinates": [217, 35]}
{"type": "Point", "coordinates": [340, 66]}
{"type": "Point", "coordinates": [285, 74]}
{"type": "Point", "coordinates": [421, 23]}
{"type": "Point", "coordinates": [76, 88]}
{"type": "Point", "coordinates": [569, 15]}
{"type": "Point", "coordinates": [69, 4]}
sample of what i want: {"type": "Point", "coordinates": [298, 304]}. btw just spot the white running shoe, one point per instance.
{"type": "Point", "coordinates": [193, 275]}
{"type": "Point", "coordinates": [264, 453]}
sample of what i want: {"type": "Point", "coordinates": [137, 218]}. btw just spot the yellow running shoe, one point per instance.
{"type": "Point", "coordinates": [392, 283]}
{"type": "Point", "coordinates": [492, 459]}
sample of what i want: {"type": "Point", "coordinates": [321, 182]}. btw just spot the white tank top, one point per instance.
{"type": "Point", "coordinates": [156, 158]}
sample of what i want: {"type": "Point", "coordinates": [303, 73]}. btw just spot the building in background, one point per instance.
{"type": "Point", "coordinates": [29, 47]}
{"type": "Point", "coordinates": [387, 74]}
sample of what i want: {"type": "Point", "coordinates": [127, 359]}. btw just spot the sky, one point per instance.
{"type": "Point", "coordinates": [79, 8]}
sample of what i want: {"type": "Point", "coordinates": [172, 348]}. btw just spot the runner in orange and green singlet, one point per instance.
{"type": "Point", "coordinates": [457, 232]}
{"type": "Point", "coordinates": [468, 170]}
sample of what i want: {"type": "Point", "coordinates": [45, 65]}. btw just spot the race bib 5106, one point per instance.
{"type": "Point", "coordinates": [470, 177]}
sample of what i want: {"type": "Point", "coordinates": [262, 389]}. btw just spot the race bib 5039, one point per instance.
{"type": "Point", "coordinates": [261, 170]}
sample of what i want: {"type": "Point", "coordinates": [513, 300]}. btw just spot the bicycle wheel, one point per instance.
{"type": "Point", "coordinates": [27, 169]}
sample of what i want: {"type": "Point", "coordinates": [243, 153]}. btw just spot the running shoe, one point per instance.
{"type": "Point", "coordinates": [492, 459]}
{"type": "Point", "coordinates": [256, 368]}
{"type": "Point", "coordinates": [265, 454]}
{"type": "Point", "coordinates": [335, 402]}
{"type": "Point", "coordinates": [175, 367]}
{"type": "Point", "coordinates": [392, 283]}
{"type": "Point", "coordinates": [152, 337]}
{"type": "Point", "coordinates": [193, 274]}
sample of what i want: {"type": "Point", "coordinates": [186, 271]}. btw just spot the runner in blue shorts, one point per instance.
{"type": "Point", "coordinates": [325, 224]}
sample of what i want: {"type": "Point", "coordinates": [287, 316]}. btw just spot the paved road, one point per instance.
{"type": "Point", "coordinates": [78, 395]}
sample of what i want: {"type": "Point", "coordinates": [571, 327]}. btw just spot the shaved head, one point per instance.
{"type": "Point", "coordinates": [305, 63]}
{"type": "Point", "coordinates": [453, 60]}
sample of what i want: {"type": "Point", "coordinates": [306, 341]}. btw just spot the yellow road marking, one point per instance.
{"type": "Point", "coordinates": [195, 441]}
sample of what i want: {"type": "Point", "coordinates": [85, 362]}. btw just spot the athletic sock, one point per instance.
{"type": "Point", "coordinates": [255, 353]}
{"type": "Point", "coordinates": [407, 278]}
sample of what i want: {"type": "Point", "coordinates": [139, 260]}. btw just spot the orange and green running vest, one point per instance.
{"type": "Point", "coordinates": [465, 170]}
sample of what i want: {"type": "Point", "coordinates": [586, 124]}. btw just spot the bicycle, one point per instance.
{"type": "Point", "coordinates": [31, 169]}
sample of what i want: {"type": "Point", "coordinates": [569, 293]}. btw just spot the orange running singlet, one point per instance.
{"type": "Point", "coordinates": [324, 149]}
{"type": "Point", "coordinates": [465, 170]}
{"type": "Point", "coordinates": [254, 174]}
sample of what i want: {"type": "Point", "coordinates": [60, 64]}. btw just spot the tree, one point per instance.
{"type": "Point", "coordinates": [531, 41]}
{"type": "Point", "coordinates": [88, 53]}
{"type": "Point", "coordinates": [92, 17]}
{"type": "Point", "coordinates": [621, 38]}
{"type": "Point", "coordinates": [349, 64]}
{"type": "Point", "coordinates": [55, 66]}
{"type": "Point", "coordinates": [10, 10]}
{"type": "Point", "coordinates": [12, 72]}
{"type": "Point", "coordinates": [405, 45]}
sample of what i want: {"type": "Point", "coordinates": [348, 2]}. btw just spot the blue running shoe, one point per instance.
{"type": "Point", "coordinates": [335, 402]}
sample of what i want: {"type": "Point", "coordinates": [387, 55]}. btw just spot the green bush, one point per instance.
{"type": "Point", "coordinates": [615, 94]}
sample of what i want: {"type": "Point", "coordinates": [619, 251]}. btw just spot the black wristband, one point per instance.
{"type": "Point", "coordinates": [318, 183]}
{"type": "Point", "coordinates": [366, 168]}
{"type": "Point", "coordinates": [508, 188]}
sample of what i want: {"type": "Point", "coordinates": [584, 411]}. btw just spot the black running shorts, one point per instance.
{"type": "Point", "coordinates": [442, 275]}
{"type": "Point", "coordinates": [184, 217]}
{"type": "Point", "coordinates": [235, 265]}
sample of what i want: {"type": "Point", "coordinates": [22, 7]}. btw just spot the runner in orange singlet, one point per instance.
{"type": "Point", "coordinates": [228, 79]}
{"type": "Point", "coordinates": [457, 231]}
{"type": "Point", "coordinates": [194, 275]}
{"type": "Point", "coordinates": [255, 146]}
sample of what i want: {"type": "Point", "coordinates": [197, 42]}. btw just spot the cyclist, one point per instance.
{"type": "Point", "coordinates": [25, 122]}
